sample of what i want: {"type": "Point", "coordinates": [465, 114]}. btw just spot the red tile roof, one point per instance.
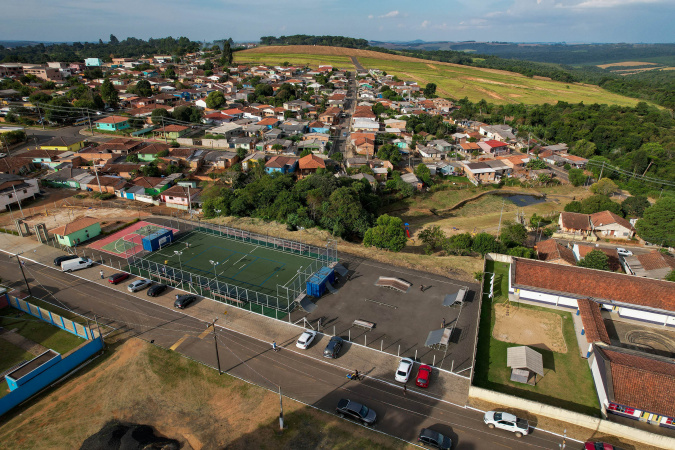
{"type": "Point", "coordinates": [113, 119]}
{"type": "Point", "coordinates": [268, 121]}
{"type": "Point", "coordinates": [641, 382]}
{"type": "Point", "coordinates": [593, 321]}
{"type": "Point", "coordinates": [599, 284]}
{"type": "Point", "coordinates": [171, 129]}
{"type": "Point", "coordinates": [180, 191]}
{"type": "Point", "coordinates": [311, 161]}
{"type": "Point", "coordinates": [607, 217]}
{"type": "Point", "coordinates": [612, 254]}
{"type": "Point", "coordinates": [575, 221]}
{"type": "Point", "coordinates": [553, 251]}
{"type": "Point", "coordinates": [656, 260]}
{"type": "Point", "coordinates": [495, 144]}
{"type": "Point", "coordinates": [75, 225]}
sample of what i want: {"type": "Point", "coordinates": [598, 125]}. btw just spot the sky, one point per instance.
{"type": "Point", "coordinates": [393, 20]}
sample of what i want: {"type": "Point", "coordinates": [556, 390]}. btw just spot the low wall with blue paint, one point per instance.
{"type": "Point", "coordinates": [51, 318]}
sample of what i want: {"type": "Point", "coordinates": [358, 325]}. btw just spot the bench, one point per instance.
{"type": "Point", "coordinates": [393, 283]}
{"type": "Point", "coordinates": [363, 324]}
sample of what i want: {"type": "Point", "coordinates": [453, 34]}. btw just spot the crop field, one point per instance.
{"type": "Point", "coordinates": [453, 80]}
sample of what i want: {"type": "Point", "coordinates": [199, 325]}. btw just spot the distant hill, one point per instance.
{"type": "Point", "coordinates": [14, 44]}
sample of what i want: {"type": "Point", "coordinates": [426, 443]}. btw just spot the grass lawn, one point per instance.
{"type": "Point", "coordinates": [11, 355]}
{"type": "Point", "coordinates": [38, 331]}
{"type": "Point", "coordinates": [567, 382]}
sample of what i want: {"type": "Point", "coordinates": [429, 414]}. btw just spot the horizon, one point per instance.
{"type": "Point", "coordinates": [513, 21]}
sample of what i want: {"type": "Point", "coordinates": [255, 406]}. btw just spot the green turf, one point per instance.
{"type": "Point", "coordinates": [12, 355]}
{"type": "Point", "coordinates": [242, 264]}
{"type": "Point", "coordinates": [121, 245]}
{"type": "Point", "coordinates": [38, 331]}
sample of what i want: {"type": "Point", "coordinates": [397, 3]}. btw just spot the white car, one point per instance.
{"type": "Point", "coordinates": [2, 155]}
{"type": "Point", "coordinates": [508, 422]}
{"type": "Point", "coordinates": [404, 369]}
{"type": "Point", "coordinates": [139, 285]}
{"type": "Point", "coordinates": [624, 252]}
{"type": "Point", "coordinates": [305, 339]}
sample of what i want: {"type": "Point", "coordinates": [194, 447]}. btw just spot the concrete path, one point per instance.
{"type": "Point", "coordinates": [23, 343]}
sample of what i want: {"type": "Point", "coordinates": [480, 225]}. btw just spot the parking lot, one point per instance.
{"type": "Point", "coordinates": [402, 320]}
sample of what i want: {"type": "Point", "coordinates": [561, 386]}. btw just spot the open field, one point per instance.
{"type": "Point", "coordinates": [38, 331]}
{"type": "Point", "coordinates": [561, 370]}
{"type": "Point", "coordinates": [181, 399]}
{"type": "Point", "coordinates": [626, 64]}
{"type": "Point", "coordinates": [453, 80]}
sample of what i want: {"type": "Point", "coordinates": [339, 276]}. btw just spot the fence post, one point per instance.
{"type": "Point", "coordinates": [398, 353]}
{"type": "Point", "coordinates": [349, 336]}
{"type": "Point", "coordinates": [434, 363]}
{"type": "Point", "coordinates": [365, 340]}
{"type": "Point", "coordinates": [415, 354]}
{"type": "Point", "coordinates": [381, 344]}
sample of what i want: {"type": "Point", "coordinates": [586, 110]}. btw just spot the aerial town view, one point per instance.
{"type": "Point", "coordinates": [337, 225]}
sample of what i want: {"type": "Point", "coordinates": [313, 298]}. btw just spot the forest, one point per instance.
{"type": "Point", "coordinates": [303, 39]}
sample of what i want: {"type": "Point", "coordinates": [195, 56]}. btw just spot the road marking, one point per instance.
{"type": "Point", "coordinates": [206, 332]}
{"type": "Point", "coordinates": [178, 342]}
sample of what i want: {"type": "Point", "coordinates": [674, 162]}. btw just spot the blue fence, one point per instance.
{"type": "Point", "coordinates": [44, 378]}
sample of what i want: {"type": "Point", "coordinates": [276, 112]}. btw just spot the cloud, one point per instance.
{"type": "Point", "coordinates": [597, 4]}
{"type": "Point", "coordinates": [425, 24]}
{"type": "Point", "coordinates": [390, 15]}
{"type": "Point", "coordinates": [371, 16]}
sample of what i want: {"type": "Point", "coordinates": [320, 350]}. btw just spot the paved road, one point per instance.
{"type": "Point", "coordinates": [313, 382]}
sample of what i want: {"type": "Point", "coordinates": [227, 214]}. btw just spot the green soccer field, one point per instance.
{"type": "Point", "coordinates": [242, 264]}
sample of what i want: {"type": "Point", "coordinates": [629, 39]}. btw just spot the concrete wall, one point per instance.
{"type": "Point", "coordinates": [188, 142]}
{"type": "Point", "coordinates": [215, 143]}
{"type": "Point", "coordinates": [499, 258]}
{"type": "Point", "coordinates": [581, 420]}
{"type": "Point", "coordinates": [51, 318]}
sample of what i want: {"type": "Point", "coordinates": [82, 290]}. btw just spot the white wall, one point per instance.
{"type": "Point", "coordinates": [642, 315]}
{"type": "Point", "coordinates": [31, 190]}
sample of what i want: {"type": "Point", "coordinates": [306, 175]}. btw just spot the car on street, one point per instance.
{"type": "Point", "coordinates": [118, 277]}
{"type": "Point", "coordinates": [403, 370]}
{"type": "Point", "coordinates": [333, 348]}
{"type": "Point", "coordinates": [305, 339]}
{"type": "Point", "coordinates": [76, 264]}
{"type": "Point", "coordinates": [423, 376]}
{"type": "Point", "coordinates": [156, 289]}
{"type": "Point", "coordinates": [507, 421]}
{"type": "Point", "coordinates": [599, 446]}
{"type": "Point", "coordinates": [110, 109]}
{"type": "Point", "coordinates": [434, 439]}
{"type": "Point", "coordinates": [139, 285]}
{"type": "Point", "coordinates": [624, 252]}
{"type": "Point", "coordinates": [59, 259]}
{"type": "Point", "coordinates": [355, 411]}
{"type": "Point", "coordinates": [183, 301]}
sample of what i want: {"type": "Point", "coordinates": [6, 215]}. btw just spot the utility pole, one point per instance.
{"type": "Point", "coordinates": [500, 218]}
{"type": "Point", "coordinates": [601, 170]}
{"type": "Point", "coordinates": [281, 411]}
{"type": "Point", "coordinates": [164, 130]}
{"type": "Point", "coordinates": [41, 119]}
{"type": "Point", "coordinates": [215, 341]}
{"type": "Point", "coordinates": [97, 180]}
{"type": "Point", "coordinates": [91, 130]}
{"type": "Point", "coordinates": [24, 275]}
{"type": "Point", "coordinates": [18, 200]}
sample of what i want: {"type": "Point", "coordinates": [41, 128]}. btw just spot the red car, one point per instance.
{"type": "Point", "coordinates": [599, 446]}
{"type": "Point", "coordinates": [423, 376]}
{"type": "Point", "coordinates": [118, 278]}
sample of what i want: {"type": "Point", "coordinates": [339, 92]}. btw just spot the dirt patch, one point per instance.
{"type": "Point", "coordinates": [527, 327]}
{"type": "Point", "coordinates": [627, 64]}
{"type": "Point", "coordinates": [490, 93]}
{"type": "Point", "coordinates": [432, 67]}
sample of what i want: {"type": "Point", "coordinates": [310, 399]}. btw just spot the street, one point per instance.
{"type": "Point", "coordinates": [319, 383]}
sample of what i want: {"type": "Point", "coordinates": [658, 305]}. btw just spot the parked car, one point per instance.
{"type": "Point", "coordinates": [356, 411]}
{"type": "Point", "coordinates": [423, 376]}
{"type": "Point", "coordinates": [404, 369]}
{"type": "Point", "coordinates": [599, 446]}
{"type": "Point", "coordinates": [183, 301]}
{"type": "Point", "coordinates": [508, 422]}
{"type": "Point", "coordinates": [110, 109]}
{"type": "Point", "coordinates": [59, 259]}
{"type": "Point", "coordinates": [305, 339]}
{"type": "Point", "coordinates": [156, 289]}
{"type": "Point", "coordinates": [118, 277]}
{"type": "Point", "coordinates": [76, 264]}
{"type": "Point", "coordinates": [139, 285]}
{"type": "Point", "coordinates": [434, 439]}
{"type": "Point", "coordinates": [333, 348]}
{"type": "Point", "coordinates": [2, 155]}
{"type": "Point", "coordinates": [624, 252]}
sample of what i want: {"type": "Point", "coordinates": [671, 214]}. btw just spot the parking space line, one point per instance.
{"type": "Point", "coordinates": [206, 332]}
{"type": "Point", "coordinates": [178, 342]}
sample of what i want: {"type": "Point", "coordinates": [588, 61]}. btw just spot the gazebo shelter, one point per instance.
{"type": "Point", "coordinates": [525, 364]}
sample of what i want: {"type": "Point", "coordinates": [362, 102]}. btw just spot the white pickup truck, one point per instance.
{"type": "Point", "coordinates": [508, 422]}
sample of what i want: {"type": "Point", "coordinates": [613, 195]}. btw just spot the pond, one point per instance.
{"type": "Point", "coordinates": [523, 200]}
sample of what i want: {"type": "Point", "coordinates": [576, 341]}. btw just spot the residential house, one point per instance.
{"type": "Point", "coordinates": [104, 183]}
{"type": "Point", "coordinates": [313, 145]}
{"type": "Point", "coordinates": [557, 148]}
{"type": "Point", "coordinates": [77, 231]}
{"type": "Point", "coordinates": [269, 122]}
{"type": "Point", "coordinates": [180, 197]}
{"type": "Point", "coordinates": [493, 147]}
{"type": "Point", "coordinates": [112, 123]}
{"type": "Point", "coordinates": [412, 180]}
{"type": "Point", "coordinates": [228, 130]}
{"type": "Point", "coordinates": [153, 151]}
{"type": "Point", "coordinates": [581, 250]}
{"type": "Point", "coordinates": [469, 147]}
{"type": "Point", "coordinates": [282, 164]}
{"type": "Point", "coordinates": [64, 177]}
{"type": "Point", "coordinates": [124, 170]}
{"type": "Point", "coordinates": [309, 164]}
{"type": "Point", "coordinates": [252, 160]}
{"type": "Point", "coordinates": [480, 172]}
{"type": "Point", "coordinates": [429, 152]}
{"type": "Point", "coordinates": [247, 143]}
{"type": "Point", "coordinates": [318, 127]}
{"type": "Point", "coordinates": [40, 157]}
{"type": "Point", "coordinates": [554, 252]}
{"type": "Point", "coordinates": [15, 188]}
{"type": "Point", "coordinates": [64, 144]}
{"type": "Point", "coordinates": [152, 185]}
{"type": "Point", "coordinates": [497, 132]}
{"type": "Point", "coordinates": [606, 224]}
{"type": "Point", "coordinates": [219, 159]}
{"type": "Point", "coordinates": [366, 176]}
{"type": "Point", "coordinates": [651, 265]}
{"type": "Point", "coordinates": [331, 116]}
{"type": "Point", "coordinates": [171, 132]}
{"type": "Point", "coordinates": [576, 223]}
{"type": "Point", "coordinates": [441, 145]}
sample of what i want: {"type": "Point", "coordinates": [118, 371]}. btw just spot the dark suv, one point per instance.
{"type": "Point", "coordinates": [183, 301]}
{"type": "Point", "coordinates": [333, 348]}
{"type": "Point", "coordinates": [156, 289]}
{"type": "Point", "coordinates": [355, 411]}
{"type": "Point", "coordinates": [434, 439]}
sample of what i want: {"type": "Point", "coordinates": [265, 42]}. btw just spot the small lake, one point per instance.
{"type": "Point", "coordinates": [522, 200]}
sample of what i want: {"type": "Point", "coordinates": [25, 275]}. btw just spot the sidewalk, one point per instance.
{"type": "Point", "coordinates": [372, 363]}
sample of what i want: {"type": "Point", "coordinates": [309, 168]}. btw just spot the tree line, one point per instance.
{"type": "Point", "coordinates": [304, 39]}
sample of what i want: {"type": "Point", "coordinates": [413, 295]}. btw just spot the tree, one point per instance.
{"type": "Point", "coordinates": [573, 206]}
{"type": "Point", "coordinates": [388, 233]}
{"type": "Point", "coordinates": [170, 72]}
{"type": "Point", "coordinates": [133, 158]}
{"type": "Point", "coordinates": [658, 223]}
{"type": "Point", "coordinates": [430, 90]}
{"type": "Point", "coordinates": [305, 152]}
{"type": "Point", "coordinates": [458, 244]}
{"type": "Point", "coordinates": [521, 252]}
{"type": "Point", "coordinates": [226, 58]}
{"type": "Point", "coordinates": [597, 203]}
{"type": "Point", "coordinates": [513, 234]}
{"type": "Point", "coordinates": [670, 276]}
{"type": "Point", "coordinates": [241, 153]}
{"type": "Point", "coordinates": [605, 186]}
{"type": "Point", "coordinates": [485, 243]}
{"type": "Point", "coordinates": [158, 114]}
{"type": "Point", "coordinates": [433, 237]}
{"type": "Point", "coordinates": [109, 93]}
{"type": "Point", "coordinates": [583, 148]}
{"type": "Point", "coordinates": [595, 259]}
{"type": "Point", "coordinates": [423, 173]}
{"type": "Point", "coordinates": [635, 206]}
{"type": "Point", "coordinates": [143, 88]}
{"type": "Point", "coordinates": [215, 100]}
{"type": "Point", "coordinates": [114, 40]}
{"type": "Point", "coordinates": [577, 177]}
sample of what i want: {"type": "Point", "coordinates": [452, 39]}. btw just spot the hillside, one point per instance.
{"type": "Point", "coordinates": [453, 80]}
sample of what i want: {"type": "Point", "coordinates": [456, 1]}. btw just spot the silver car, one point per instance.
{"type": "Point", "coordinates": [139, 285]}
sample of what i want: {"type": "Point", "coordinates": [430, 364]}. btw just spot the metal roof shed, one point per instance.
{"type": "Point", "coordinates": [523, 361]}
{"type": "Point", "coordinates": [438, 339]}
{"type": "Point", "coordinates": [456, 298]}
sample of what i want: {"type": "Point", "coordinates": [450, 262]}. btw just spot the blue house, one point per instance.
{"type": "Point", "coordinates": [282, 164]}
{"type": "Point", "coordinates": [150, 73]}
{"type": "Point", "coordinates": [112, 123]}
{"type": "Point", "coordinates": [318, 127]}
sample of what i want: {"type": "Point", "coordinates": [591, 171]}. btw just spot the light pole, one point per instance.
{"type": "Point", "coordinates": [215, 275]}
{"type": "Point", "coordinates": [179, 263]}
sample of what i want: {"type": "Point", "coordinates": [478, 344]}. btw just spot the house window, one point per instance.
{"type": "Point", "coordinates": [10, 196]}
{"type": "Point", "coordinates": [170, 198]}
{"type": "Point", "coordinates": [25, 191]}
